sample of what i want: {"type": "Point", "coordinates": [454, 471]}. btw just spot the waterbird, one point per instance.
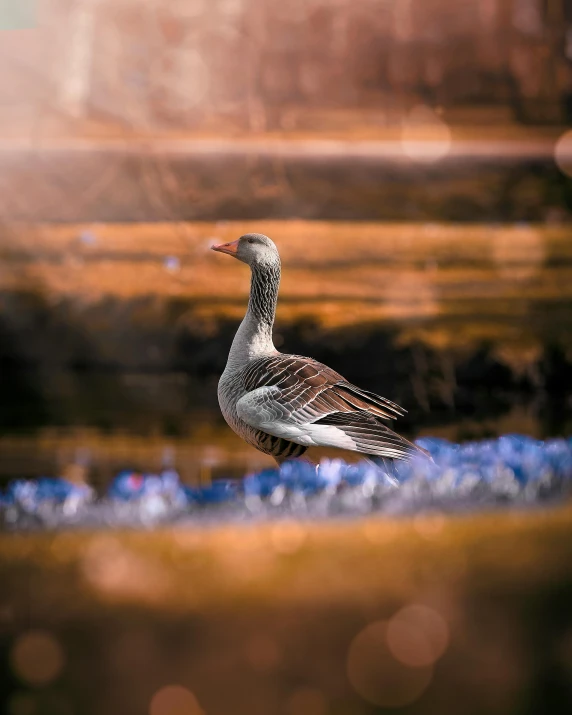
{"type": "Point", "coordinates": [284, 404]}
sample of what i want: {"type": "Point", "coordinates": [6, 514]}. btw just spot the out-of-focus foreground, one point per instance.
{"type": "Point", "coordinates": [431, 615]}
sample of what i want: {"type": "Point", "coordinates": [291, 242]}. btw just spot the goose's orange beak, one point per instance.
{"type": "Point", "coordinates": [230, 248]}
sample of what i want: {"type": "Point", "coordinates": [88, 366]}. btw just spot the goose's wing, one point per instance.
{"type": "Point", "coordinates": [304, 401]}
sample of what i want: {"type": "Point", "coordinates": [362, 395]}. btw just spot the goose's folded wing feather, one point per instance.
{"type": "Point", "coordinates": [309, 403]}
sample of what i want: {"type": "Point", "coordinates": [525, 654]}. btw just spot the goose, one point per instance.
{"type": "Point", "coordinates": [283, 404]}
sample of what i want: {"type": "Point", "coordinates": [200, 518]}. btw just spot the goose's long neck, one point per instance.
{"type": "Point", "coordinates": [254, 336]}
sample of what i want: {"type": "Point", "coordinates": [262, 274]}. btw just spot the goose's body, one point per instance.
{"type": "Point", "coordinates": [282, 404]}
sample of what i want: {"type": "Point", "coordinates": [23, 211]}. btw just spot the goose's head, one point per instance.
{"type": "Point", "coordinates": [255, 249]}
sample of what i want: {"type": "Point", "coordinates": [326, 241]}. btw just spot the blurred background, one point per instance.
{"type": "Point", "coordinates": [412, 160]}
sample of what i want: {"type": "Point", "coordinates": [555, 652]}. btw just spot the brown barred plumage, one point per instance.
{"type": "Point", "coordinates": [281, 404]}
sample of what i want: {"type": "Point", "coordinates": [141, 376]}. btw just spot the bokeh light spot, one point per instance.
{"type": "Point", "coordinates": [417, 636]}
{"type": "Point", "coordinates": [37, 657]}
{"type": "Point", "coordinates": [563, 153]}
{"type": "Point", "coordinates": [408, 644]}
{"type": "Point", "coordinates": [377, 676]}
{"type": "Point", "coordinates": [88, 238]}
{"type": "Point", "coordinates": [172, 264]}
{"type": "Point", "coordinates": [174, 700]}
{"type": "Point", "coordinates": [425, 137]}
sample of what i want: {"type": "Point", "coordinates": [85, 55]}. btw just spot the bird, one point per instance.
{"type": "Point", "coordinates": [284, 404]}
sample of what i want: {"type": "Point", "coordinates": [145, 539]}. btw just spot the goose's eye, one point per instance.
{"type": "Point", "coordinates": [250, 240]}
